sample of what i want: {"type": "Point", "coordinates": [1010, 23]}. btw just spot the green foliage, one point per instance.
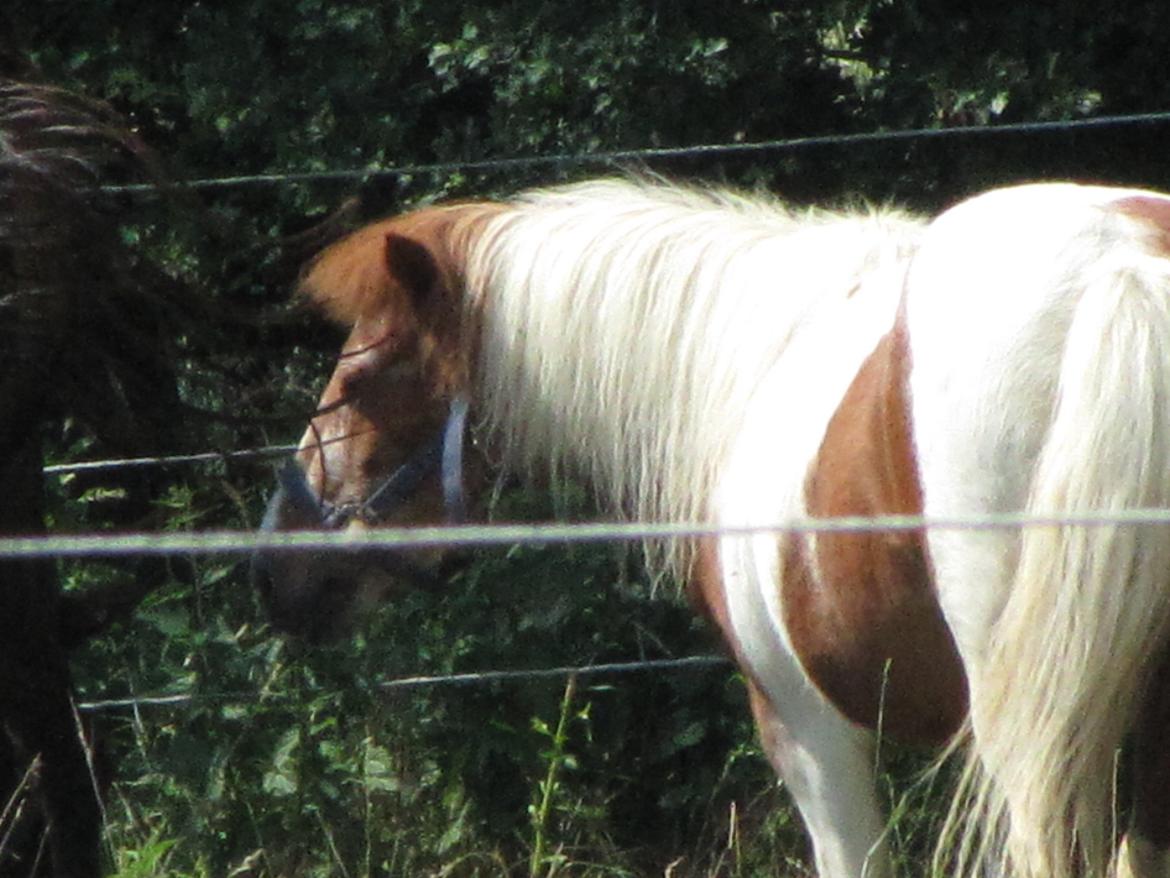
{"type": "Point", "coordinates": [548, 790]}
{"type": "Point", "coordinates": [257, 87]}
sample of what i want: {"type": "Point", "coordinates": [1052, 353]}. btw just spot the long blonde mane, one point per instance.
{"type": "Point", "coordinates": [627, 325]}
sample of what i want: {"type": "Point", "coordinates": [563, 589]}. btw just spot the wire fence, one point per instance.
{"type": "Point", "coordinates": [627, 156]}
{"type": "Point", "coordinates": [603, 157]}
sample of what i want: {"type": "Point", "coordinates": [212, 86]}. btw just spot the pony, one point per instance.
{"type": "Point", "coordinates": [719, 358]}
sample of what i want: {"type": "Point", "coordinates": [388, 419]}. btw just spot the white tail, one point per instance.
{"type": "Point", "coordinates": [1087, 612]}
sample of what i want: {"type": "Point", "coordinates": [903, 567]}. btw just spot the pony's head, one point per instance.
{"type": "Point", "coordinates": [386, 444]}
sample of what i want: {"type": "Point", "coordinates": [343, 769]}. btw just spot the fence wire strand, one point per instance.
{"type": "Point", "coordinates": [242, 543]}
{"type": "Point", "coordinates": [266, 452]}
{"type": "Point", "coordinates": [610, 157]}
{"type": "Point", "coordinates": [238, 543]}
{"type": "Point", "coordinates": [473, 678]}
{"type": "Point", "coordinates": [625, 156]}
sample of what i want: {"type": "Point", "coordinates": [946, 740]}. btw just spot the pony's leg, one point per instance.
{"type": "Point", "coordinates": [826, 764]}
{"type": "Point", "coordinates": [825, 761]}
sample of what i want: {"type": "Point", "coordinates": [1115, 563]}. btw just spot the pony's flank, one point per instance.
{"type": "Point", "coordinates": [626, 327]}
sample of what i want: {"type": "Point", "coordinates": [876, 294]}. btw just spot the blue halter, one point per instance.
{"type": "Point", "coordinates": [444, 453]}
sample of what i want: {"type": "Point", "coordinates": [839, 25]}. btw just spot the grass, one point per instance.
{"type": "Point", "coordinates": [405, 811]}
{"type": "Point", "coordinates": [312, 789]}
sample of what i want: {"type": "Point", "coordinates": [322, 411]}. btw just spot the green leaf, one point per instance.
{"type": "Point", "coordinates": [281, 778]}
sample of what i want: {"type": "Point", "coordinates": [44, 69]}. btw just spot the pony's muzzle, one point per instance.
{"type": "Point", "coordinates": [285, 580]}
{"type": "Point", "coordinates": [313, 593]}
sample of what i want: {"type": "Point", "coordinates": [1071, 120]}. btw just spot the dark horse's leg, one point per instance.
{"type": "Point", "coordinates": [36, 713]}
{"type": "Point", "coordinates": [39, 722]}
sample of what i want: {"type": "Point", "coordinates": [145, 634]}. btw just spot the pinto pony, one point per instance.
{"type": "Point", "coordinates": [707, 357]}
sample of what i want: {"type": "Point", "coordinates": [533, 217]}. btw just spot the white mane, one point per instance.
{"type": "Point", "coordinates": [626, 325]}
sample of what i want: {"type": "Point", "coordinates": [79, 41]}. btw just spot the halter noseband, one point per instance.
{"type": "Point", "coordinates": [444, 452]}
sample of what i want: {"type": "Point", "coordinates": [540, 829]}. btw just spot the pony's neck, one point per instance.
{"type": "Point", "coordinates": [625, 330]}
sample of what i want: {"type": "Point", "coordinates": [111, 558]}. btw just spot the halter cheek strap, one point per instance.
{"type": "Point", "coordinates": [297, 497]}
{"type": "Point", "coordinates": [443, 453]}
{"type": "Point", "coordinates": [451, 472]}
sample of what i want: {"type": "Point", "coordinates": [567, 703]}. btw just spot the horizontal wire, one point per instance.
{"type": "Point", "coordinates": [419, 682]}
{"type": "Point", "coordinates": [228, 542]}
{"type": "Point", "coordinates": [479, 677]}
{"type": "Point", "coordinates": [263, 452]}
{"type": "Point", "coordinates": [628, 155]}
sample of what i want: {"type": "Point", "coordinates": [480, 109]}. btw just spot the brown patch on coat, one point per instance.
{"type": "Point", "coordinates": [705, 592]}
{"type": "Point", "coordinates": [1153, 211]}
{"type": "Point", "coordinates": [860, 607]}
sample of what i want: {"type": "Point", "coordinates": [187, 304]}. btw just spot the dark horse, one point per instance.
{"type": "Point", "coordinates": [64, 318]}
{"type": "Point", "coordinates": [705, 357]}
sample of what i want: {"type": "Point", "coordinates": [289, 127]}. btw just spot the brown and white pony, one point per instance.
{"type": "Point", "coordinates": [712, 358]}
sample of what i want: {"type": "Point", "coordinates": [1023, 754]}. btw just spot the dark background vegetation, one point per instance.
{"type": "Point", "coordinates": [287, 761]}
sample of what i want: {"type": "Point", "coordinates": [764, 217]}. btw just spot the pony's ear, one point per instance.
{"type": "Point", "coordinates": [414, 268]}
